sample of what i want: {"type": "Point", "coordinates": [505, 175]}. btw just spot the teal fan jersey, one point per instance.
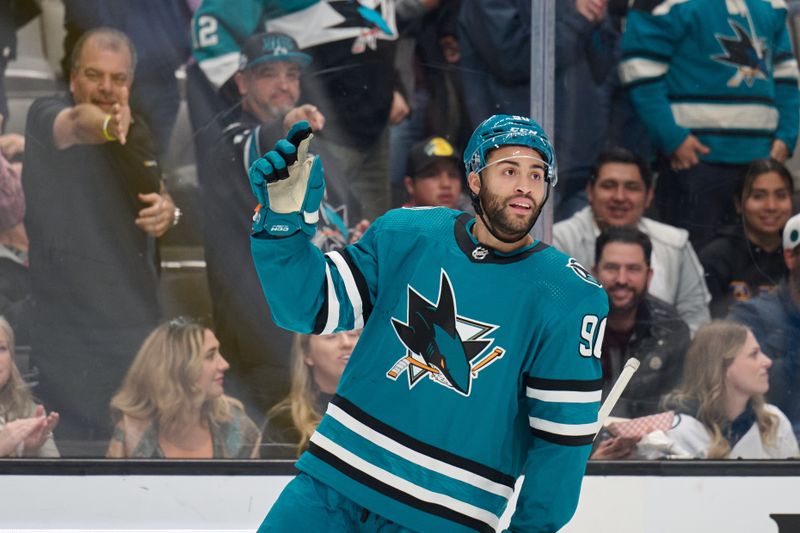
{"type": "Point", "coordinates": [473, 367]}
{"type": "Point", "coordinates": [723, 71]}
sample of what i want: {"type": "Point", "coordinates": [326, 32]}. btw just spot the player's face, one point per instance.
{"type": "Point", "coordinates": [101, 75]}
{"type": "Point", "coordinates": [272, 87]}
{"type": "Point", "coordinates": [768, 206]}
{"type": "Point", "coordinates": [623, 272]}
{"type": "Point", "coordinates": [748, 373]}
{"type": "Point", "coordinates": [513, 189]}
{"type": "Point", "coordinates": [618, 197]}
{"type": "Point", "coordinates": [438, 184]}
{"type": "Point", "coordinates": [328, 355]}
{"type": "Point", "coordinates": [214, 366]}
{"type": "Point", "coordinates": [5, 359]}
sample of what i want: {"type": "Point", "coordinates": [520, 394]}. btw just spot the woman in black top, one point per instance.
{"type": "Point", "coordinates": [746, 260]}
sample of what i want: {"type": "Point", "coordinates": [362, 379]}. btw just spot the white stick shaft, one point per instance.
{"type": "Point", "coordinates": [631, 365]}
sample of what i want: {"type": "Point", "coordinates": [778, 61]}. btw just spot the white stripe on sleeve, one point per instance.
{"type": "Point", "coordinates": [333, 305]}
{"type": "Point", "coordinates": [565, 396]}
{"type": "Point", "coordinates": [638, 68]}
{"type": "Point", "coordinates": [350, 286]}
{"type": "Point", "coordinates": [568, 430]}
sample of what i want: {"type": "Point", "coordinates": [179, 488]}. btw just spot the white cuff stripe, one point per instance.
{"type": "Point", "coordinates": [565, 396]}
{"type": "Point", "coordinates": [786, 69]}
{"type": "Point", "coordinates": [665, 7]}
{"type": "Point", "coordinates": [333, 305]}
{"type": "Point", "coordinates": [568, 430]}
{"type": "Point", "coordinates": [219, 69]}
{"type": "Point", "coordinates": [350, 286]}
{"type": "Point", "coordinates": [403, 484]}
{"type": "Point", "coordinates": [412, 456]}
{"type": "Point", "coordinates": [725, 116]}
{"type": "Point", "coordinates": [638, 68]}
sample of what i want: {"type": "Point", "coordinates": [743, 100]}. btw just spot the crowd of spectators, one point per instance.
{"type": "Point", "coordinates": [674, 127]}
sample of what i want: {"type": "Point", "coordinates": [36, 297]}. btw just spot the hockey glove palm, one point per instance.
{"type": "Point", "coordinates": [289, 186]}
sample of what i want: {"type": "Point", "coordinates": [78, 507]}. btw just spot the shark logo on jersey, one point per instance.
{"type": "Point", "coordinates": [450, 349]}
{"type": "Point", "coordinates": [582, 273]}
{"type": "Point", "coordinates": [745, 53]}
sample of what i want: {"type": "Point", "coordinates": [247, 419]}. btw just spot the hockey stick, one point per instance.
{"type": "Point", "coordinates": [631, 365]}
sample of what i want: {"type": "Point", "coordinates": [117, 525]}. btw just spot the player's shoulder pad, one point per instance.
{"type": "Point", "coordinates": [567, 272]}
{"type": "Point", "coordinates": [418, 219]}
{"type": "Point", "coordinates": [665, 234]}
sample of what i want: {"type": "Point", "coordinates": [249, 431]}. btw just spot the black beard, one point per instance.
{"type": "Point", "coordinates": [502, 223]}
{"type": "Point", "coordinates": [637, 299]}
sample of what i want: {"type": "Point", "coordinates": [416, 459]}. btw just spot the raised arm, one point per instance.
{"type": "Point", "coordinates": [88, 124]}
{"type": "Point", "coordinates": [307, 291]}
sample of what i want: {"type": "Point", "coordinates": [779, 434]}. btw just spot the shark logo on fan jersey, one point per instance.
{"type": "Point", "coordinates": [447, 348]}
{"type": "Point", "coordinates": [744, 52]}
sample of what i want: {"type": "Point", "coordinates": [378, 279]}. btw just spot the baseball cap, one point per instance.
{"type": "Point", "coordinates": [791, 233]}
{"type": "Point", "coordinates": [12, 199]}
{"type": "Point", "coordinates": [271, 47]}
{"type": "Point", "coordinates": [427, 152]}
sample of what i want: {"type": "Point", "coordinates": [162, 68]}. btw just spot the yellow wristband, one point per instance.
{"type": "Point", "coordinates": [107, 135]}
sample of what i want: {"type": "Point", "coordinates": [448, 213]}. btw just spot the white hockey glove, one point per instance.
{"type": "Point", "coordinates": [289, 186]}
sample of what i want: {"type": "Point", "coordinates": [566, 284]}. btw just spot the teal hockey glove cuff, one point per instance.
{"type": "Point", "coordinates": [289, 186]}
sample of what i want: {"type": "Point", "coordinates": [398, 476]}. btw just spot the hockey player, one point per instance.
{"type": "Point", "coordinates": [479, 357]}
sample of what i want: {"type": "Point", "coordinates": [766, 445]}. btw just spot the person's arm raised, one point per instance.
{"type": "Point", "coordinates": [88, 124]}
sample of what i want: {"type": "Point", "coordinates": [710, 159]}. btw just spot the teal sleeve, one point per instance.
{"type": "Point", "coordinates": [312, 292]}
{"type": "Point", "coordinates": [787, 98]}
{"type": "Point", "coordinates": [562, 392]}
{"type": "Point", "coordinates": [648, 44]}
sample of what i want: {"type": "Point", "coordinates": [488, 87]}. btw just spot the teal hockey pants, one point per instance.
{"type": "Point", "coordinates": [308, 505]}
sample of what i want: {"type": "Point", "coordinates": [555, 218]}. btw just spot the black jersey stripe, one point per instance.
{"type": "Point", "coordinates": [564, 384]}
{"type": "Point", "coordinates": [733, 132]}
{"type": "Point", "coordinates": [322, 316]}
{"type": "Point", "coordinates": [720, 98]}
{"type": "Point", "coordinates": [422, 447]}
{"type": "Point", "coordinates": [395, 493]}
{"type": "Point", "coordinates": [564, 440]}
{"type": "Point", "coordinates": [361, 284]}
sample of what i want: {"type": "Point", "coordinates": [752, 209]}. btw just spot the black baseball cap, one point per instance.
{"type": "Point", "coordinates": [263, 47]}
{"type": "Point", "coordinates": [426, 152]}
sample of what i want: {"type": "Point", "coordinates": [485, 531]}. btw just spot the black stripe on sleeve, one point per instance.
{"type": "Point", "coordinates": [422, 447]}
{"type": "Point", "coordinates": [564, 440]}
{"type": "Point", "coordinates": [783, 56]}
{"type": "Point", "coordinates": [564, 384]}
{"type": "Point", "coordinates": [397, 494]}
{"type": "Point", "coordinates": [361, 284]}
{"type": "Point", "coordinates": [322, 315]}
{"type": "Point", "coordinates": [643, 81]}
{"type": "Point", "coordinates": [642, 53]}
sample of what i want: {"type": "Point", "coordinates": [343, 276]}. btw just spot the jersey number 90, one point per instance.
{"type": "Point", "coordinates": [592, 331]}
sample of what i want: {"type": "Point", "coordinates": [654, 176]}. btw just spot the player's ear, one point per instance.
{"type": "Point", "coordinates": [474, 182]}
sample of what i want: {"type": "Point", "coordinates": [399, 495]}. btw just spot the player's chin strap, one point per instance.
{"type": "Point", "coordinates": [478, 206]}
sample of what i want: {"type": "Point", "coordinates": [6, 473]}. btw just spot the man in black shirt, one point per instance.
{"type": "Point", "coordinates": [639, 325]}
{"type": "Point", "coordinates": [268, 81]}
{"type": "Point", "coordinates": [95, 206]}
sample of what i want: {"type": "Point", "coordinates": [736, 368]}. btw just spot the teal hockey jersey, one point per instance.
{"type": "Point", "coordinates": [473, 367]}
{"type": "Point", "coordinates": [722, 70]}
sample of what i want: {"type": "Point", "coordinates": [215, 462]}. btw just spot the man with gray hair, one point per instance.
{"type": "Point", "coordinates": [95, 206]}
